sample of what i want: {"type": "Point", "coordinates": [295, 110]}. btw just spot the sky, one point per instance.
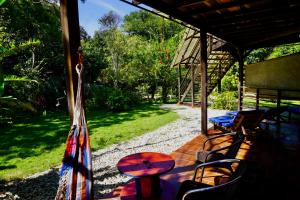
{"type": "Point", "coordinates": [92, 10]}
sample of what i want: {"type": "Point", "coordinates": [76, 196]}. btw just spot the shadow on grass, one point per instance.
{"type": "Point", "coordinates": [37, 135]}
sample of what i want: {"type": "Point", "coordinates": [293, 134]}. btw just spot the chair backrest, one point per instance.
{"type": "Point", "coordinates": [237, 141]}
{"type": "Point", "coordinates": [252, 118]}
{"type": "Point", "coordinates": [249, 119]}
{"type": "Point", "coordinates": [223, 190]}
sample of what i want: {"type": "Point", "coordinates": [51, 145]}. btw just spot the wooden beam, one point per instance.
{"type": "Point", "coordinates": [220, 6]}
{"type": "Point", "coordinates": [203, 69]}
{"type": "Point", "coordinates": [259, 29]}
{"type": "Point", "coordinates": [272, 10]}
{"type": "Point", "coordinates": [266, 37]}
{"type": "Point", "coordinates": [172, 10]}
{"type": "Point", "coordinates": [71, 40]}
{"type": "Point", "coordinates": [292, 15]}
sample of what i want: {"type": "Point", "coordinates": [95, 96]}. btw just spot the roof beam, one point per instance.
{"type": "Point", "coordinates": [217, 7]}
{"type": "Point", "coordinates": [252, 14]}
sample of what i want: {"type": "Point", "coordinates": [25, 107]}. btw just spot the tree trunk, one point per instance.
{"type": "Point", "coordinates": [164, 94]}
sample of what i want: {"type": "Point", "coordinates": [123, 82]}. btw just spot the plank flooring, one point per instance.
{"type": "Point", "coordinates": [272, 166]}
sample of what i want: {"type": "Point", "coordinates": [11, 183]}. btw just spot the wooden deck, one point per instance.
{"type": "Point", "coordinates": [272, 168]}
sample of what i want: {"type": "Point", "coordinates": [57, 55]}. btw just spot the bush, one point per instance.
{"type": "Point", "coordinates": [120, 100]}
{"type": "Point", "coordinates": [101, 97]}
{"type": "Point", "coordinates": [225, 100]}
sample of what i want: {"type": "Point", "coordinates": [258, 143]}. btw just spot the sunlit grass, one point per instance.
{"type": "Point", "coordinates": [38, 143]}
{"type": "Point", "coordinates": [269, 103]}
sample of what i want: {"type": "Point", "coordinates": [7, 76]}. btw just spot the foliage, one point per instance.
{"type": "Point", "coordinates": [230, 80]}
{"type": "Point", "coordinates": [43, 139]}
{"type": "Point", "coordinates": [150, 26]}
{"type": "Point", "coordinates": [225, 100]}
{"type": "Point", "coordinates": [258, 55]}
{"type": "Point", "coordinates": [31, 47]}
{"type": "Point", "coordinates": [119, 100]}
{"type": "Point", "coordinates": [113, 99]}
{"type": "Point", "coordinates": [284, 50]}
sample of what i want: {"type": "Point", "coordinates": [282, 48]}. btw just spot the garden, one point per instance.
{"type": "Point", "coordinates": [127, 76]}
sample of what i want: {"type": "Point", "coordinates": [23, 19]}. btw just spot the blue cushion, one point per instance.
{"type": "Point", "coordinates": [234, 113]}
{"type": "Point", "coordinates": [226, 120]}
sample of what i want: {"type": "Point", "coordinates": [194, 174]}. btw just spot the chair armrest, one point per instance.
{"type": "Point", "coordinates": [203, 165]}
{"type": "Point", "coordinates": [217, 136]}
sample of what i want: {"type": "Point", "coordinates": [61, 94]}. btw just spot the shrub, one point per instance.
{"type": "Point", "coordinates": [225, 100]}
{"type": "Point", "coordinates": [120, 100]}
{"type": "Point", "coordinates": [102, 97]}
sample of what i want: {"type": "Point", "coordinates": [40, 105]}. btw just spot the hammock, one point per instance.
{"type": "Point", "coordinates": [76, 177]}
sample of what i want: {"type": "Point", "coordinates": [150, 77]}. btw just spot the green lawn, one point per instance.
{"type": "Point", "coordinates": [270, 104]}
{"type": "Point", "coordinates": [38, 143]}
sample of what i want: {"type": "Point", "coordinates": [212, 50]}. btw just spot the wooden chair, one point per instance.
{"type": "Point", "coordinates": [230, 150]}
{"type": "Point", "coordinates": [225, 182]}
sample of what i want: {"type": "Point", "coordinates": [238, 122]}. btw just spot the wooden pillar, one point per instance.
{"type": "Point", "coordinates": [219, 79]}
{"type": "Point", "coordinates": [203, 69]}
{"type": "Point", "coordinates": [179, 83]}
{"type": "Point", "coordinates": [71, 39]}
{"type": "Point", "coordinates": [257, 98]}
{"type": "Point", "coordinates": [241, 79]}
{"type": "Point", "coordinates": [278, 111]}
{"type": "Point", "coordinates": [193, 85]}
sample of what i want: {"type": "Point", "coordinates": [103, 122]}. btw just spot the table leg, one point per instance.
{"type": "Point", "coordinates": [147, 187]}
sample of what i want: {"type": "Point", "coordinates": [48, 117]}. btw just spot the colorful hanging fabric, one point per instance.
{"type": "Point", "coordinates": [76, 177]}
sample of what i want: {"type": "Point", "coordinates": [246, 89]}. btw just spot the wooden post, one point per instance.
{"type": "Point", "coordinates": [71, 40]}
{"type": "Point", "coordinates": [278, 111]}
{"type": "Point", "coordinates": [203, 65]}
{"type": "Point", "coordinates": [179, 84]}
{"type": "Point", "coordinates": [219, 79]}
{"type": "Point", "coordinates": [257, 98]}
{"type": "Point", "coordinates": [193, 85]}
{"type": "Point", "coordinates": [241, 79]}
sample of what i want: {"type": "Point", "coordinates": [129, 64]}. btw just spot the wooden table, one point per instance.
{"type": "Point", "coordinates": [145, 168]}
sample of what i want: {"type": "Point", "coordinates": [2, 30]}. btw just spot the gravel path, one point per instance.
{"type": "Point", "coordinates": [165, 139]}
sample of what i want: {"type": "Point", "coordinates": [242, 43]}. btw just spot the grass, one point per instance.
{"type": "Point", "coordinates": [38, 143]}
{"type": "Point", "coordinates": [270, 104]}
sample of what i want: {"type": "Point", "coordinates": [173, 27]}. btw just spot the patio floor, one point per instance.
{"type": "Point", "coordinates": [272, 163]}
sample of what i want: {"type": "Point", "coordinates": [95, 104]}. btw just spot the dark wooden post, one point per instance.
{"type": "Point", "coordinates": [257, 98]}
{"type": "Point", "coordinates": [193, 85]}
{"type": "Point", "coordinates": [179, 84]}
{"type": "Point", "coordinates": [241, 79]}
{"type": "Point", "coordinates": [203, 65]}
{"type": "Point", "coordinates": [71, 40]}
{"type": "Point", "coordinates": [219, 79]}
{"type": "Point", "coordinates": [278, 111]}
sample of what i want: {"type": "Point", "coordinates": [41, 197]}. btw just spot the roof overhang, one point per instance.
{"type": "Point", "coordinates": [245, 23]}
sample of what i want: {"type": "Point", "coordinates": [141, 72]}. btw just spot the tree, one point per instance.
{"type": "Point", "coordinates": [114, 43]}
{"type": "Point", "coordinates": [24, 21]}
{"type": "Point", "coordinates": [163, 36]}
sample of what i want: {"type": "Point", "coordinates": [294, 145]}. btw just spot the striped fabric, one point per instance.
{"type": "Point", "coordinates": [76, 177]}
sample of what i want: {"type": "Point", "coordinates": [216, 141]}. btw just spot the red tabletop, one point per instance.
{"type": "Point", "coordinates": [145, 164]}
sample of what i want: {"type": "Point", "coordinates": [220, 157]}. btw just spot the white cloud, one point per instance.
{"type": "Point", "coordinates": [107, 6]}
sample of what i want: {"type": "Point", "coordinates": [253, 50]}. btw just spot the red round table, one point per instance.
{"type": "Point", "coordinates": [145, 168]}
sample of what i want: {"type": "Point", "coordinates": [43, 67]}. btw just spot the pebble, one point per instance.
{"type": "Point", "coordinates": [43, 186]}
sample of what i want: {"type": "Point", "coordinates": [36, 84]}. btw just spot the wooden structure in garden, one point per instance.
{"type": "Point", "coordinates": [243, 24]}
{"type": "Point", "coordinates": [231, 26]}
